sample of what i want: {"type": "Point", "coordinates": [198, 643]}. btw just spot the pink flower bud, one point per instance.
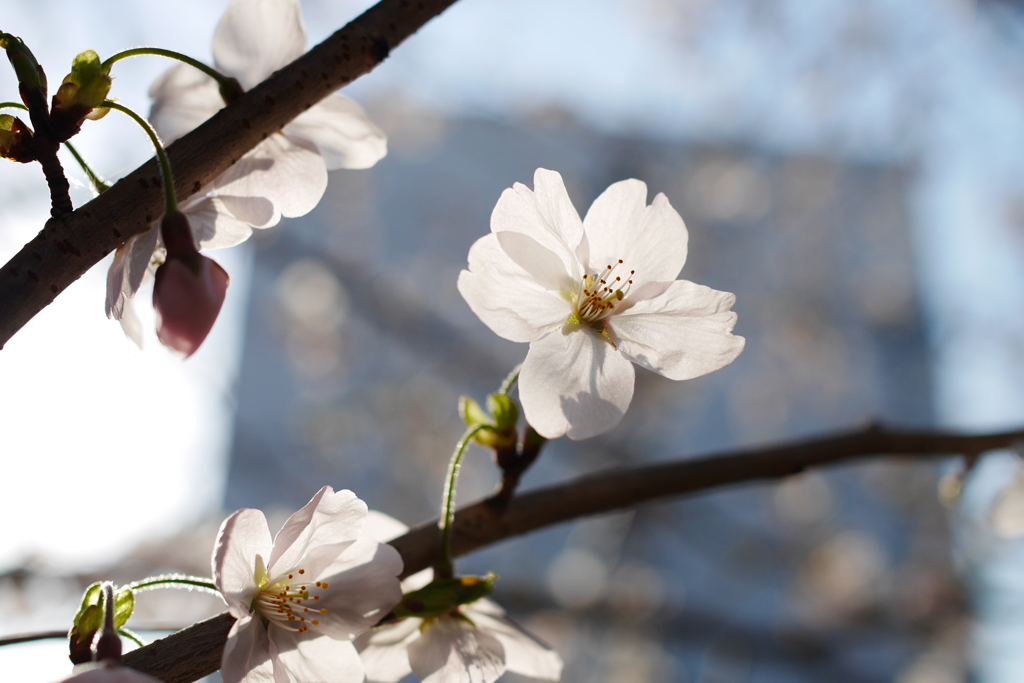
{"type": "Point", "coordinates": [187, 296]}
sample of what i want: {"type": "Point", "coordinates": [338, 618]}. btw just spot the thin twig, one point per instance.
{"type": "Point", "coordinates": [64, 250]}
{"type": "Point", "coordinates": [194, 652]}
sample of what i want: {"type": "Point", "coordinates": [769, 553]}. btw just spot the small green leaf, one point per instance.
{"type": "Point", "coordinates": [124, 605]}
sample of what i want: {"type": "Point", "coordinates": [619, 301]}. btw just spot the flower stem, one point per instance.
{"type": "Point", "coordinates": [165, 163]}
{"type": "Point", "coordinates": [131, 636]}
{"type": "Point", "coordinates": [227, 83]}
{"type": "Point", "coordinates": [97, 184]}
{"type": "Point", "coordinates": [13, 105]}
{"type": "Point", "coordinates": [511, 380]}
{"type": "Point", "coordinates": [444, 569]}
{"type": "Point", "coordinates": [108, 645]}
{"type": "Point", "coordinates": [180, 581]}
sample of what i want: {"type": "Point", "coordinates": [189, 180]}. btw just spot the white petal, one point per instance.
{"type": "Point", "coordinates": [128, 269]}
{"type": "Point", "coordinates": [247, 653]}
{"type": "Point", "coordinates": [506, 297]}
{"type": "Point", "coordinates": [453, 651]}
{"type": "Point", "coordinates": [183, 98]}
{"type": "Point", "coordinates": [541, 263]}
{"type": "Point", "coordinates": [545, 214]}
{"type": "Point", "coordinates": [343, 132]}
{"type": "Point", "coordinates": [258, 212]}
{"type": "Point", "coordinates": [574, 382]}
{"type": "Point", "coordinates": [315, 536]}
{"type": "Point", "coordinates": [242, 537]}
{"type": "Point", "coordinates": [384, 651]}
{"type": "Point", "coordinates": [130, 323]}
{"type": "Point", "coordinates": [288, 171]}
{"type": "Point", "coordinates": [362, 588]}
{"type": "Point", "coordinates": [649, 239]}
{"type": "Point", "coordinates": [106, 672]}
{"type": "Point", "coordinates": [213, 226]}
{"type": "Point", "coordinates": [525, 653]}
{"type": "Point", "coordinates": [255, 38]}
{"type": "Point", "coordinates": [1007, 512]}
{"type": "Point", "coordinates": [304, 659]}
{"type": "Point", "coordinates": [681, 334]}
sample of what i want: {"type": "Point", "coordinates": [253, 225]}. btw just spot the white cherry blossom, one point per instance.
{"type": "Point", "coordinates": [285, 175]}
{"type": "Point", "coordinates": [476, 645]}
{"type": "Point", "coordinates": [592, 297]}
{"type": "Point", "coordinates": [106, 672]}
{"type": "Point", "coordinates": [300, 599]}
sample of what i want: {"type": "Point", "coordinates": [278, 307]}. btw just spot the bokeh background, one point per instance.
{"type": "Point", "coordinates": [849, 169]}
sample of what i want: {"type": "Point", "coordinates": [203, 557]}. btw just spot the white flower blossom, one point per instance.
{"type": "Point", "coordinates": [592, 297]}
{"type": "Point", "coordinates": [300, 599]}
{"type": "Point", "coordinates": [476, 645]}
{"type": "Point", "coordinates": [285, 175]}
{"type": "Point", "coordinates": [106, 672]}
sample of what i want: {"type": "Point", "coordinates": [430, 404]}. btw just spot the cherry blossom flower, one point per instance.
{"type": "Point", "coordinates": [285, 175]}
{"type": "Point", "coordinates": [300, 599]}
{"type": "Point", "coordinates": [592, 297]}
{"type": "Point", "coordinates": [107, 672]}
{"type": "Point", "coordinates": [476, 643]}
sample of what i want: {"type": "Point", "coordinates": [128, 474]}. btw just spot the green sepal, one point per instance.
{"type": "Point", "coordinates": [472, 414]}
{"type": "Point", "coordinates": [442, 596]}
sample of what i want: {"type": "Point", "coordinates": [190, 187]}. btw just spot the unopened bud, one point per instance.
{"type": "Point", "coordinates": [30, 74]}
{"type": "Point", "coordinates": [176, 234]}
{"type": "Point", "coordinates": [15, 140]}
{"type": "Point", "coordinates": [504, 411]}
{"type": "Point", "coordinates": [188, 295]}
{"type": "Point", "coordinates": [80, 95]}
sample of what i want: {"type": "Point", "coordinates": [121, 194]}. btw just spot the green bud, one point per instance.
{"type": "Point", "coordinates": [30, 74]}
{"type": "Point", "coordinates": [80, 95]}
{"type": "Point", "coordinates": [89, 619]}
{"type": "Point", "coordinates": [504, 410]}
{"type": "Point", "coordinates": [441, 596]}
{"type": "Point", "coordinates": [472, 414]}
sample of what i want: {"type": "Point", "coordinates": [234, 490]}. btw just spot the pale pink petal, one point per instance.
{"type": "Point", "coordinates": [681, 334]}
{"type": "Point", "coordinates": [287, 171]}
{"type": "Point", "coordinates": [506, 297]}
{"type": "Point", "coordinates": [255, 38]}
{"type": "Point", "coordinates": [130, 323]}
{"type": "Point", "coordinates": [525, 653]}
{"type": "Point", "coordinates": [362, 588]}
{"type": "Point", "coordinates": [649, 239]}
{"type": "Point", "coordinates": [128, 269]}
{"type": "Point", "coordinates": [453, 651]}
{"type": "Point", "coordinates": [183, 98]}
{"type": "Point", "coordinates": [574, 382]}
{"type": "Point", "coordinates": [304, 659]}
{"type": "Point", "coordinates": [315, 536]}
{"type": "Point", "coordinates": [546, 215]}
{"type": "Point", "coordinates": [214, 227]}
{"type": "Point", "coordinates": [242, 537]}
{"type": "Point", "coordinates": [342, 131]}
{"type": "Point", "coordinates": [384, 650]}
{"type": "Point", "coordinates": [247, 654]}
{"type": "Point", "coordinates": [258, 212]}
{"type": "Point", "coordinates": [106, 672]}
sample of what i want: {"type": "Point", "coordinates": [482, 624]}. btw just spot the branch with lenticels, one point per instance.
{"type": "Point", "coordinates": [69, 246]}
{"type": "Point", "coordinates": [194, 652]}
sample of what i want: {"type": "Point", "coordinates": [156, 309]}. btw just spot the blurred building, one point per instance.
{"type": "Point", "coordinates": [358, 346]}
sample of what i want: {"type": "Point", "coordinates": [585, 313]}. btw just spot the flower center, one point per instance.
{"type": "Point", "coordinates": [290, 603]}
{"type": "Point", "coordinates": [599, 294]}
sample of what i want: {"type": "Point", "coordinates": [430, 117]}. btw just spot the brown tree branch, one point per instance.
{"type": "Point", "coordinates": [64, 250]}
{"type": "Point", "coordinates": [194, 652]}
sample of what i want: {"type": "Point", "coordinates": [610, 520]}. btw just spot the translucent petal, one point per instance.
{"type": "Point", "coordinates": [255, 38]}
{"type": "Point", "coordinates": [247, 653]}
{"type": "Point", "coordinates": [683, 333]}
{"type": "Point", "coordinates": [453, 651]}
{"type": "Point", "coordinates": [242, 537]}
{"type": "Point", "coordinates": [649, 239]}
{"type": "Point", "coordinates": [343, 132]}
{"type": "Point", "coordinates": [363, 587]}
{"type": "Point", "coordinates": [315, 536]}
{"type": "Point", "coordinates": [214, 227]}
{"type": "Point", "coordinates": [183, 98]}
{"type": "Point", "coordinates": [302, 657]}
{"type": "Point", "coordinates": [384, 650]}
{"type": "Point", "coordinates": [525, 653]}
{"type": "Point", "coordinates": [574, 382]}
{"type": "Point", "coordinates": [287, 171]}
